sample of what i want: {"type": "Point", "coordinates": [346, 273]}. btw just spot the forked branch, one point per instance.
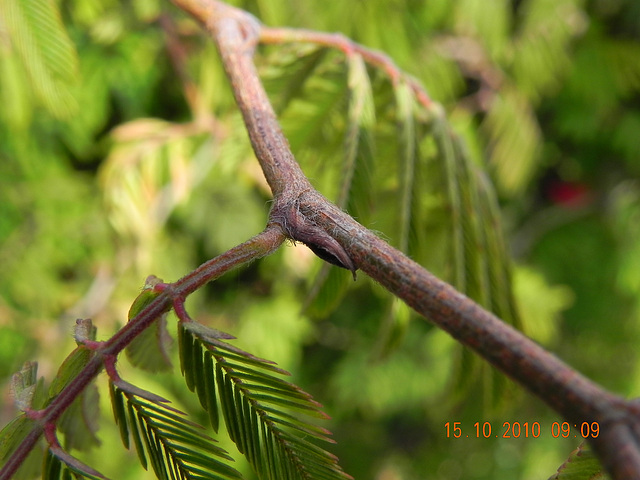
{"type": "Point", "coordinates": [301, 213]}
{"type": "Point", "coordinates": [319, 222]}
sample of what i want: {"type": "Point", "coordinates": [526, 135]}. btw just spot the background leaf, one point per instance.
{"type": "Point", "coordinates": [569, 214]}
{"type": "Point", "coordinates": [46, 52]}
{"type": "Point", "coordinates": [581, 464]}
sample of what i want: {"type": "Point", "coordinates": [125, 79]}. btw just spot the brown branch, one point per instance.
{"type": "Point", "coordinates": [304, 214]}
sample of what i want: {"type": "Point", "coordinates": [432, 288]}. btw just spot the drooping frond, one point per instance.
{"type": "Point", "coordinates": [359, 149]}
{"type": "Point", "coordinates": [408, 156]}
{"type": "Point", "coordinates": [312, 103]}
{"type": "Point", "coordinates": [405, 152]}
{"type": "Point", "coordinates": [175, 447]}
{"type": "Point", "coordinates": [260, 410]}
{"type": "Point", "coordinates": [478, 252]}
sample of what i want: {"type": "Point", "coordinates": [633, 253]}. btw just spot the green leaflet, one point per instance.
{"type": "Point", "coordinates": [174, 446]}
{"type": "Point", "coordinates": [582, 464]}
{"type": "Point", "coordinates": [10, 437]}
{"type": "Point", "coordinates": [259, 409]}
{"type": "Point", "coordinates": [79, 421]}
{"type": "Point", "coordinates": [149, 349]}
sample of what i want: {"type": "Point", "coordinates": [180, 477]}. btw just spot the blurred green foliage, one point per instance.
{"type": "Point", "coordinates": [122, 155]}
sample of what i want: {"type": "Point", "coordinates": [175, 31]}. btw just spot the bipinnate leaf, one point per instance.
{"type": "Point", "coordinates": [481, 266]}
{"type": "Point", "coordinates": [36, 32]}
{"type": "Point", "coordinates": [261, 411]}
{"type": "Point", "coordinates": [174, 446]}
{"type": "Point", "coordinates": [582, 464]}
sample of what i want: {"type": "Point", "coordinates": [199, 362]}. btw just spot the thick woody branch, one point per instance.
{"type": "Point", "coordinates": [305, 215]}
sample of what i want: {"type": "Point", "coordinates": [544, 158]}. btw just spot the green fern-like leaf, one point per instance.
{"type": "Point", "coordinates": [432, 179]}
{"type": "Point", "coordinates": [164, 438]}
{"type": "Point", "coordinates": [358, 159]}
{"type": "Point", "coordinates": [478, 252]}
{"type": "Point", "coordinates": [405, 120]}
{"type": "Point", "coordinates": [46, 51]}
{"type": "Point", "coordinates": [286, 71]}
{"type": "Point", "coordinates": [259, 408]}
{"type": "Point", "coordinates": [540, 49]}
{"type": "Point", "coordinates": [514, 136]}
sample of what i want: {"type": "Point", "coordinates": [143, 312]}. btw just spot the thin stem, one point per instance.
{"type": "Point", "coordinates": [271, 35]}
{"type": "Point", "coordinates": [257, 247]}
{"type": "Point", "coordinates": [104, 353]}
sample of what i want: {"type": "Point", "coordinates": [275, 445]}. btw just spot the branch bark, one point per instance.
{"type": "Point", "coordinates": [303, 214]}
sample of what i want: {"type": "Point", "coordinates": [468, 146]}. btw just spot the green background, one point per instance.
{"type": "Point", "coordinates": [129, 159]}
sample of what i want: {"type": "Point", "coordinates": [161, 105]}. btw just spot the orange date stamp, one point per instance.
{"type": "Point", "coordinates": [521, 430]}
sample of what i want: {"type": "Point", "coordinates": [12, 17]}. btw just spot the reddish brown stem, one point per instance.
{"type": "Point", "coordinates": [105, 353]}
{"type": "Point", "coordinates": [301, 213]}
{"type": "Point", "coordinates": [561, 387]}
